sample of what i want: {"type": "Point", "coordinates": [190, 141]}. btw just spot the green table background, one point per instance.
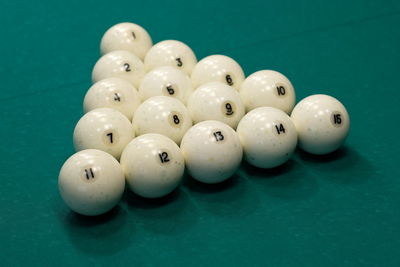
{"type": "Point", "coordinates": [337, 210]}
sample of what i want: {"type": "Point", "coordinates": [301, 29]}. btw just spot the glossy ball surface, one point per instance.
{"type": "Point", "coordinates": [126, 36]}
{"type": "Point", "coordinates": [268, 137]}
{"type": "Point", "coordinates": [153, 165]}
{"type": "Point", "coordinates": [212, 151]}
{"type": "Point", "coordinates": [163, 115]}
{"type": "Point", "coordinates": [166, 81]}
{"type": "Point", "coordinates": [218, 68]}
{"type": "Point", "coordinates": [119, 64]}
{"type": "Point", "coordinates": [91, 182]}
{"type": "Point", "coordinates": [216, 101]}
{"type": "Point", "coordinates": [268, 88]}
{"type": "Point", "coordinates": [322, 123]}
{"type": "Point", "coordinates": [171, 53]}
{"type": "Point", "coordinates": [112, 93]}
{"type": "Point", "coordinates": [104, 129]}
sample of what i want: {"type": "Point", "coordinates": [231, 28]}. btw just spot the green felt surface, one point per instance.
{"type": "Point", "coordinates": [338, 210]}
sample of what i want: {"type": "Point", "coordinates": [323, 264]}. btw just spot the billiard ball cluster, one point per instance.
{"type": "Point", "coordinates": [202, 116]}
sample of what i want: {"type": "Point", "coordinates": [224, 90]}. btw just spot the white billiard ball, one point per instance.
{"type": "Point", "coordinates": [126, 36]}
{"type": "Point", "coordinates": [268, 88]}
{"type": "Point", "coordinates": [218, 68]}
{"type": "Point", "coordinates": [153, 165]}
{"type": "Point", "coordinates": [212, 151]}
{"type": "Point", "coordinates": [105, 129]}
{"type": "Point", "coordinates": [167, 81]}
{"type": "Point", "coordinates": [216, 101]}
{"type": "Point", "coordinates": [268, 137]}
{"type": "Point", "coordinates": [91, 182]}
{"type": "Point", "coordinates": [163, 115]}
{"type": "Point", "coordinates": [170, 53]}
{"type": "Point", "coordinates": [113, 93]}
{"type": "Point", "coordinates": [322, 123]}
{"type": "Point", "coordinates": [119, 64]}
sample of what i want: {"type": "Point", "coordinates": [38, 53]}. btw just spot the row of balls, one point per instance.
{"type": "Point", "coordinates": [146, 122]}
